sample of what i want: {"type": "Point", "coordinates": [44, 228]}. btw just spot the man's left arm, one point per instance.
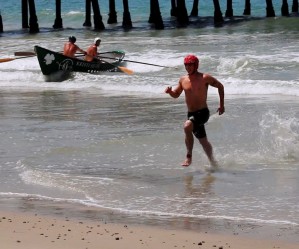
{"type": "Point", "coordinates": [215, 83]}
{"type": "Point", "coordinates": [81, 50]}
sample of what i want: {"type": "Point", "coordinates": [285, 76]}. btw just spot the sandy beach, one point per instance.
{"type": "Point", "coordinates": [26, 230]}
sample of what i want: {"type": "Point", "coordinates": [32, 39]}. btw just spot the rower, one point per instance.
{"type": "Point", "coordinates": [70, 48]}
{"type": "Point", "coordinates": [92, 51]}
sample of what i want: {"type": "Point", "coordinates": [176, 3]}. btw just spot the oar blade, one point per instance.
{"type": "Point", "coordinates": [25, 53]}
{"type": "Point", "coordinates": [126, 70]}
{"type": "Point", "coordinates": [6, 59]}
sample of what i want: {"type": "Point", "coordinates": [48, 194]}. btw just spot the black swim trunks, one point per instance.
{"type": "Point", "coordinates": [199, 118]}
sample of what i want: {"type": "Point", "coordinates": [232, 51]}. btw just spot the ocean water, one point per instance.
{"type": "Point", "coordinates": [115, 141]}
{"type": "Point", "coordinates": [73, 12]}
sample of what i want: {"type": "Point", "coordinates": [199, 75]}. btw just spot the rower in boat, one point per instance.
{"type": "Point", "coordinates": [92, 51]}
{"type": "Point", "coordinates": [70, 48]}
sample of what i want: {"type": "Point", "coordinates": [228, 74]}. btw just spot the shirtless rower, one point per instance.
{"type": "Point", "coordinates": [92, 51]}
{"type": "Point", "coordinates": [70, 48]}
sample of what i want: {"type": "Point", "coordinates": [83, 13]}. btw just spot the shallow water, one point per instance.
{"type": "Point", "coordinates": [123, 153]}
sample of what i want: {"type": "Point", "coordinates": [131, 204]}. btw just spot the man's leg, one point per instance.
{"type": "Point", "coordinates": [189, 141]}
{"type": "Point", "coordinates": [207, 147]}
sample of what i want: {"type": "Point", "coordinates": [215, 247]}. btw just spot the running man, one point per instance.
{"type": "Point", "coordinates": [195, 85]}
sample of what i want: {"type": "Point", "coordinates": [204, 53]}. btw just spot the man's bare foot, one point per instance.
{"type": "Point", "coordinates": [213, 166]}
{"type": "Point", "coordinates": [187, 161]}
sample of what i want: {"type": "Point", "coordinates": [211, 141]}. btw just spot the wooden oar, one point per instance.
{"type": "Point", "coordinates": [29, 54]}
{"type": "Point", "coordinates": [150, 64]}
{"type": "Point", "coordinates": [24, 53]}
{"type": "Point", "coordinates": [123, 69]}
{"type": "Point", "coordinates": [139, 62]}
{"type": "Point", "coordinates": [11, 59]}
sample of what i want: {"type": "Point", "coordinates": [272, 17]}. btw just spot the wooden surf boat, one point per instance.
{"type": "Point", "coordinates": [54, 63]}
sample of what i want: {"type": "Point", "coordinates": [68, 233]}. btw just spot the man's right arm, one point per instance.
{"type": "Point", "coordinates": [176, 92]}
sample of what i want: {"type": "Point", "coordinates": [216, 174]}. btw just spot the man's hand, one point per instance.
{"type": "Point", "coordinates": [168, 89]}
{"type": "Point", "coordinates": [221, 110]}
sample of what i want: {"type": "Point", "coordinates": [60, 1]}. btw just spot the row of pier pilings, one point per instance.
{"type": "Point", "coordinates": [178, 10]}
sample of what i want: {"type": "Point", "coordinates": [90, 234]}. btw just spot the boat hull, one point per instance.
{"type": "Point", "coordinates": [55, 63]}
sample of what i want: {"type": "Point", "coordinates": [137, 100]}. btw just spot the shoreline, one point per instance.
{"type": "Point", "coordinates": [41, 224]}
{"type": "Point", "coordinates": [39, 231]}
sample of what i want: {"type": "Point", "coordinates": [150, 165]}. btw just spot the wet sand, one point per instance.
{"type": "Point", "coordinates": [26, 230]}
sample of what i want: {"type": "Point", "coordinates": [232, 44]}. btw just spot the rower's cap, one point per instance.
{"type": "Point", "coordinates": [97, 39]}
{"type": "Point", "coordinates": [72, 39]}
